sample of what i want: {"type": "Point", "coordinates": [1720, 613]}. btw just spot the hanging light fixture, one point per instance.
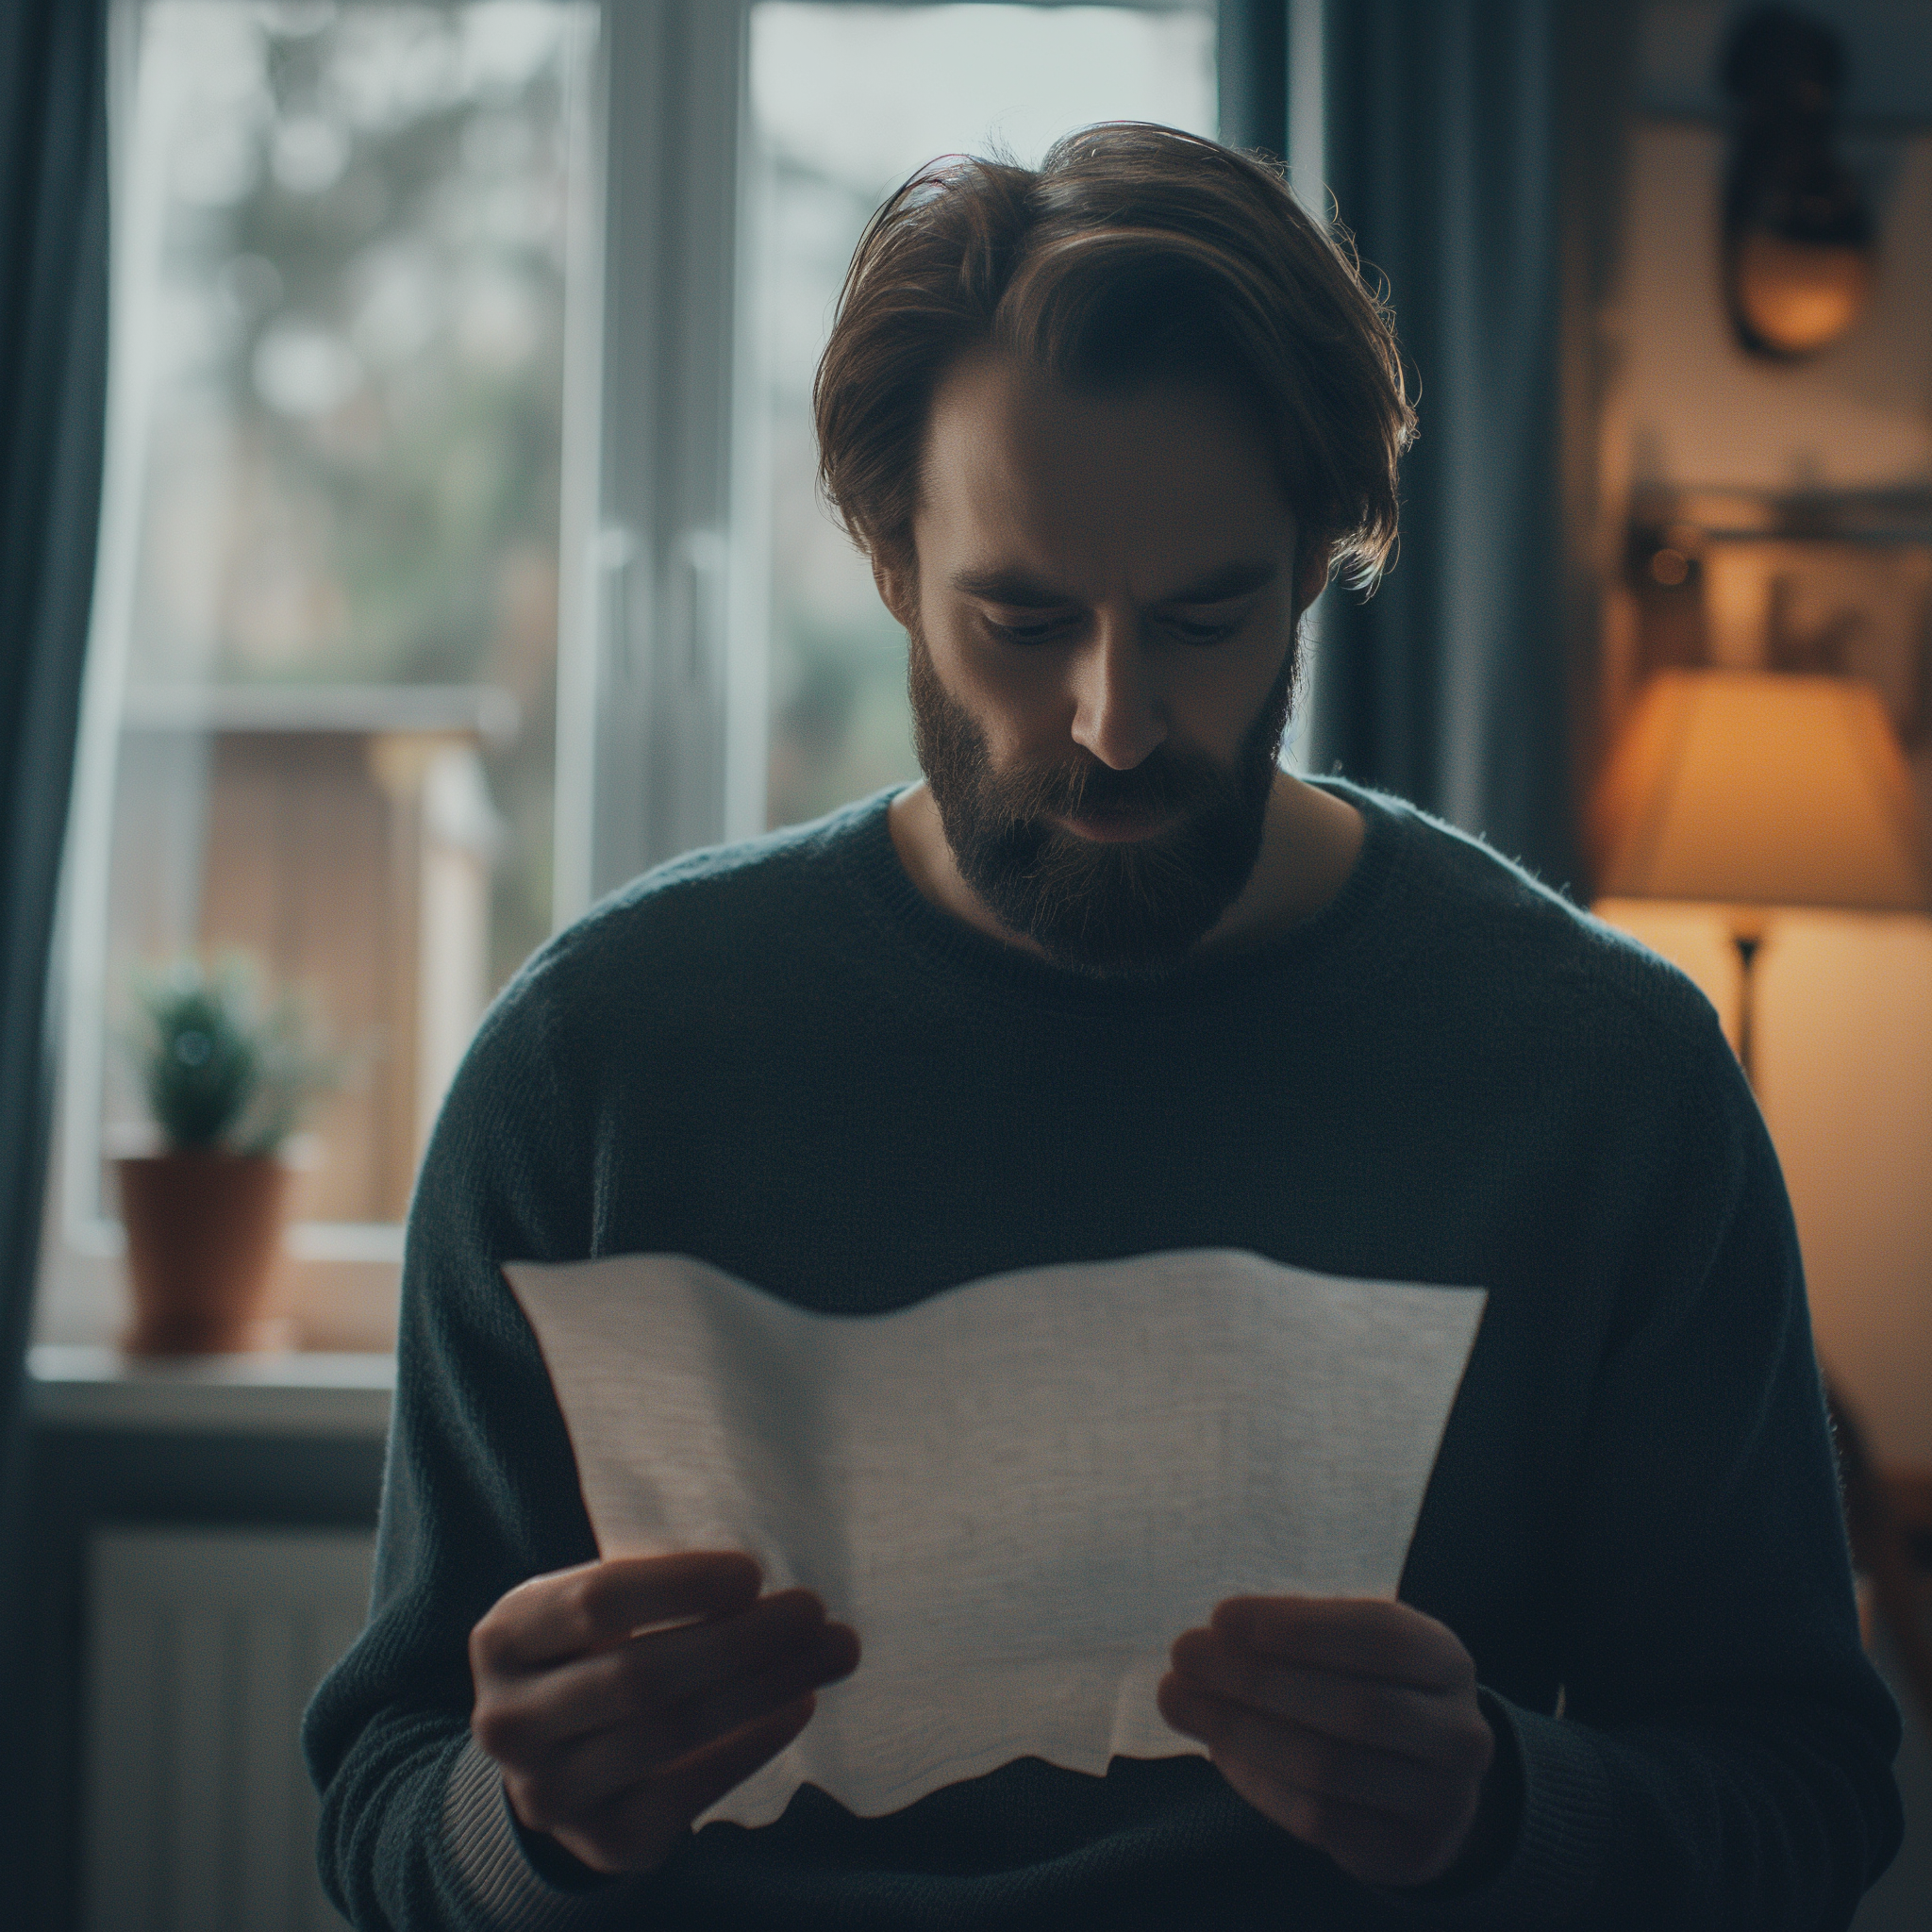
{"type": "Point", "coordinates": [1799, 255]}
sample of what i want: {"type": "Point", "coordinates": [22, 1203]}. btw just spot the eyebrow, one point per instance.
{"type": "Point", "coordinates": [1021, 590]}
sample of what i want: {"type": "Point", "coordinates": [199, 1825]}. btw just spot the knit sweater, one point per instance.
{"type": "Point", "coordinates": [781, 1058]}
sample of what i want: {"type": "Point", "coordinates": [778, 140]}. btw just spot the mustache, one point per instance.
{"type": "Point", "coordinates": [1164, 783]}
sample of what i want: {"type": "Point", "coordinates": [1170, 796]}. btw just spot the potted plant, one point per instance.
{"type": "Point", "coordinates": [226, 1080]}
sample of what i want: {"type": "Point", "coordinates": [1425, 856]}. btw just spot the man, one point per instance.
{"type": "Point", "coordinates": [1109, 983]}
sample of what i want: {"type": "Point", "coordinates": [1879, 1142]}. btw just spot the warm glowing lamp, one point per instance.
{"type": "Point", "coordinates": [1799, 250]}
{"type": "Point", "coordinates": [1794, 298]}
{"type": "Point", "coordinates": [1756, 790]}
{"type": "Point", "coordinates": [1753, 791]}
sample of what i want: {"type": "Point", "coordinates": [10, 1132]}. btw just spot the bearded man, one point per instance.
{"type": "Point", "coordinates": [1110, 985]}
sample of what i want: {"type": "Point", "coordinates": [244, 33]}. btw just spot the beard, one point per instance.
{"type": "Point", "coordinates": [1116, 909]}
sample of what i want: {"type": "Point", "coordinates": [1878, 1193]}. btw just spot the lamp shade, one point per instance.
{"type": "Point", "coordinates": [1752, 788]}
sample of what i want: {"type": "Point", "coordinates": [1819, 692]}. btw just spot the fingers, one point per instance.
{"type": "Point", "coordinates": [570, 1612]}
{"type": "Point", "coordinates": [552, 1788]}
{"type": "Point", "coordinates": [623, 1698]}
{"type": "Point", "coordinates": [639, 1828]}
{"type": "Point", "coordinates": [1352, 1723]}
{"type": "Point", "coordinates": [1370, 1637]}
{"type": "Point", "coordinates": [1372, 1712]}
{"type": "Point", "coordinates": [1337, 1771]}
{"type": "Point", "coordinates": [648, 1673]}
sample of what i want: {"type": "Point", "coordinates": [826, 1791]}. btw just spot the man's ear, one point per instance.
{"type": "Point", "coordinates": [898, 589]}
{"type": "Point", "coordinates": [1312, 574]}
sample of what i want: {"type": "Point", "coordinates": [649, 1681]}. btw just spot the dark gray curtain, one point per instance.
{"type": "Point", "coordinates": [53, 380]}
{"type": "Point", "coordinates": [1472, 151]}
{"type": "Point", "coordinates": [53, 388]}
{"type": "Point", "coordinates": [53, 391]}
{"type": "Point", "coordinates": [1252, 60]}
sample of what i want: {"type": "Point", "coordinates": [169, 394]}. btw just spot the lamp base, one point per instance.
{"type": "Point", "coordinates": [1749, 925]}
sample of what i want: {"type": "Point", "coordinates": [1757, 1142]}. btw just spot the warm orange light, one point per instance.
{"type": "Point", "coordinates": [1797, 297]}
{"type": "Point", "coordinates": [1749, 788]}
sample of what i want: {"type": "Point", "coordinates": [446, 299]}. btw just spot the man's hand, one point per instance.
{"type": "Point", "coordinates": [1351, 1722]}
{"type": "Point", "coordinates": [614, 1735]}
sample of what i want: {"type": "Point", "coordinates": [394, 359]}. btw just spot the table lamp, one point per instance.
{"type": "Point", "coordinates": [1754, 791]}
{"type": "Point", "coordinates": [1751, 791]}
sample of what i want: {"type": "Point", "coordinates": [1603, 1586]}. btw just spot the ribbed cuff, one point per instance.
{"type": "Point", "coordinates": [1550, 1877]}
{"type": "Point", "coordinates": [504, 1888]}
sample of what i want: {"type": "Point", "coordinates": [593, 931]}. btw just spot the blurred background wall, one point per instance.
{"type": "Point", "coordinates": [1799, 494]}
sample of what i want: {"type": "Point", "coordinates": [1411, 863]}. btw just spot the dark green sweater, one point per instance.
{"type": "Point", "coordinates": [782, 1060]}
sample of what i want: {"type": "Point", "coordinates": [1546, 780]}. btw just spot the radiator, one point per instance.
{"type": "Point", "coordinates": [203, 1646]}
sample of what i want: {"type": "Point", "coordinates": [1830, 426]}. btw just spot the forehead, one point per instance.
{"type": "Point", "coordinates": [1144, 490]}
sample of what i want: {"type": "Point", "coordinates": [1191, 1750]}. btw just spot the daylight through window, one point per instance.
{"type": "Point", "coordinates": [342, 264]}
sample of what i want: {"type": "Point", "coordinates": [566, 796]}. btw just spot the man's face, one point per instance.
{"type": "Point", "coordinates": [1101, 624]}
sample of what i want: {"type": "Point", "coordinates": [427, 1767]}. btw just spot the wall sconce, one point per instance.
{"type": "Point", "coordinates": [1799, 255]}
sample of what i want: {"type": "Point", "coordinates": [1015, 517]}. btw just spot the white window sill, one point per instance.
{"type": "Point", "coordinates": [298, 1393]}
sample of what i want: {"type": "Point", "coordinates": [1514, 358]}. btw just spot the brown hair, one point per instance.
{"type": "Point", "coordinates": [1132, 251]}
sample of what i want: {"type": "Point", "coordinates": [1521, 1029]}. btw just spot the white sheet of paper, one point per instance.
{"type": "Point", "coordinates": [1019, 1491]}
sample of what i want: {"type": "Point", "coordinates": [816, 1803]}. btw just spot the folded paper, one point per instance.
{"type": "Point", "coordinates": [1018, 1490]}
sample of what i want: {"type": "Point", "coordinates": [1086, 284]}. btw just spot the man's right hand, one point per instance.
{"type": "Point", "coordinates": [612, 1735]}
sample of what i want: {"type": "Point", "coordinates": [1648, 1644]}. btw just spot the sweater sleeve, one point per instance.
{"type": "Point", "coordinates": [1722, 1755]}
{"type": "Point", "coordinates": [479, 1492]}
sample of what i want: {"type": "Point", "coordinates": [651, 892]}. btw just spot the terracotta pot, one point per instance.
{"type": "Point", "coordinates": [203, 1234]}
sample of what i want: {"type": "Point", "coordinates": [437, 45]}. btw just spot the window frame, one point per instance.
{"type": "Point", "coordinates": [676, 636]}
{"type": "Point", "coordinates": [341, 1278]}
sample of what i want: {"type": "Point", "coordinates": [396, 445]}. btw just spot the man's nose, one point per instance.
{"type": "Point", "coordinates": [1119, 713]}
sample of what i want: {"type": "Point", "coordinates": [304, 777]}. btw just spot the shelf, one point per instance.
{"type": "Point", "coordinates": [284, 1395]}
{"type": "Point", "coordinates": [1881, 518]}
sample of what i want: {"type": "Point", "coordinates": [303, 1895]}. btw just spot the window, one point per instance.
{"type": "Point", "coordinates": [461, 556]}
{"type": "Point", "coordinates": [324, 695]}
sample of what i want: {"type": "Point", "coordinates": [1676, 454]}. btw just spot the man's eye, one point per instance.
{"type": "Point", "coordinates": [1036, 631]}
{"type": "Point", "coordinates": [1204, 633]}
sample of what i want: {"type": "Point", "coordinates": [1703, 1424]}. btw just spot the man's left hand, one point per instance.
{"type": "Point", "coordinates": [1352, 1723]}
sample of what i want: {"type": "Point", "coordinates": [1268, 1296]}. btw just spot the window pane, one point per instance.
{"type": "Point", "coordinates": [336, 745]}
{"type": "Point", "coordinates": [846, 101]}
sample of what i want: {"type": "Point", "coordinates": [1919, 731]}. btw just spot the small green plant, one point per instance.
{"type": "Point", "coordinates": [220, 1068]}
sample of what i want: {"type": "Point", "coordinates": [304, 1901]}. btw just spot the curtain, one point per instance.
{"type": "Point", "coordinates": [1251, 66]}
{"type": "Point", "coordinates": [1472, 150]}
{"type": "Point", "coordinates": [53, 392]}
{"type": "Point", "coordinates": [53, 385]}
